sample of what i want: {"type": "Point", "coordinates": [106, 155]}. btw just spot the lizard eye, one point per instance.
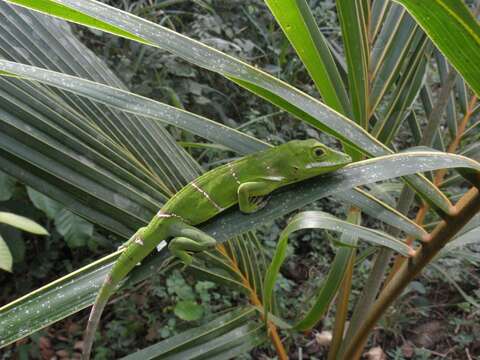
{"type": "Point", "coordinates": [318, 152]}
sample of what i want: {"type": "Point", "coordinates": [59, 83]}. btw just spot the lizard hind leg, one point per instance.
{"type": "Point", "coordinates": [188, 239]}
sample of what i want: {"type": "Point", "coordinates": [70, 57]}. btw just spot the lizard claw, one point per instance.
{"type": "Point", "coordinates": [259, 202]}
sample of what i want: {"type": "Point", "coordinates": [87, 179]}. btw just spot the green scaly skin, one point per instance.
{"type": "Point", "coordinates": [246, 181]}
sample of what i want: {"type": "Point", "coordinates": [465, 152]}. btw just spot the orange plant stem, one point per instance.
{"type": "Point", "coordinates": [254, 300]}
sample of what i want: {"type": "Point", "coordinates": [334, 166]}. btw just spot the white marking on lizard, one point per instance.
{"type": "Point", "coordinates": [234, 174]}
{"type": "Point", "coordinates": [161, 245]}
{"type": "Point", "coordinates": [204, 193]}
{"type": "Point", "coordinates": [162, 214]}
{"type": "Point", "coordinates": [138, 240]}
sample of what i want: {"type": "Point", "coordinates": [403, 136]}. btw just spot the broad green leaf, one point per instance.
{"type": "Point", "coordinates": [137, 105]}
{"type": "Point", "coordinates": [188, 310]}
{"type": "Point", "coordinates": [353, 175]}
{"type": "Point", "coordinates": [104, 17]}
{"type": "Point", "coordinates": [381, 211]}
{"type": "Point", "coordinates": [298, 24]}
{"type": "Point", "coordinates": [325, 221]}
{"type": "Point", "coordinates": [75, 230]}
{"type": "Point", "coordinates": [50, 207]}
{"type": "Point", "coordinates": [231, 334]}
{"type": "Point", "coordinates": [22, 223]}
{"type": "Point", "coordinates": [454, 30]}
{"type": "Point", "coordinates": [77, 290]}
{"type": "Point", "coordinates": [7, 186]}
{"type": "Point", "coordinates": [5, 258]}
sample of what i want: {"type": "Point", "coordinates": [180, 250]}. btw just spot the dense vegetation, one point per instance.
{"type": "Point", "coordinates": [413, 97]}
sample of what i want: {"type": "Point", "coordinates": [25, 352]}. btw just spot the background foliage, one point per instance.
{"type": "Point", "coordinates": [256, 38]}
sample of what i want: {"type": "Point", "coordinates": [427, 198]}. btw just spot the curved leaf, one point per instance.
{"type": "Point", "coordinates": [22, 223]}
{"type": "Point", "coordinates": [381, 211]}
{"type": "Point", "coordinates": [5, 257]}
{"type": "Point", "coordinates": [322, 220]}
{"type": "Point", "coordinates": [137, 105]}
{"type": "Point", "coordinates": [339, 274]}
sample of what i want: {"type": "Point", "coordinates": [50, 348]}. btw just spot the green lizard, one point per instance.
{"type": "Point", "coordinates": [245, 181]}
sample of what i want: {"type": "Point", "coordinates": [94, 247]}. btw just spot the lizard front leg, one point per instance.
{"type": "Point", "coordinates": [247, 192]}
{"type": "Point", "coordinates": [189, 239]}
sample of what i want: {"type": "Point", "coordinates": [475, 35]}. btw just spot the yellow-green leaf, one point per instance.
{"type": "Point", "coordinates": [5, 256]}
{"type": "Point", "coordinates": [22, 223]}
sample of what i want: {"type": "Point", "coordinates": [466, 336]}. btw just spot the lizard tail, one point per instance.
{"type": "Point", "coordinates": [95, 315]}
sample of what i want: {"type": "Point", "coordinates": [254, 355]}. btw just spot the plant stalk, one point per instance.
{"type": "Point", "coordinates": [342, 309]}
{"type": "Point", "coordinates": [462, 212]}
{"type": "Point", "coordinates": [406, 198]}
{"type": "Point", "coordinates": [354, 217]}
{"type": "Point", "coordinates": [255, 300]}
{"type": "Point", "coordinates": [374, 281]}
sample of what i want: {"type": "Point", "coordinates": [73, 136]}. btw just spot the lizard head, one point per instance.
{"type": "Point", "coordinates": [312, 158]}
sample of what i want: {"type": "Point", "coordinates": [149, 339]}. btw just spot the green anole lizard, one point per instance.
{"type": "Point", "coordinates": [245, 181]}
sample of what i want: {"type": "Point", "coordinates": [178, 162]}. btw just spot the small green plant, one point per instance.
{"type": "Point", "coordinates": [7, 186]}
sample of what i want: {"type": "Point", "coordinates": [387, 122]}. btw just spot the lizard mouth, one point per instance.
{"type": "Point", "coordinates": [322, 164]}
